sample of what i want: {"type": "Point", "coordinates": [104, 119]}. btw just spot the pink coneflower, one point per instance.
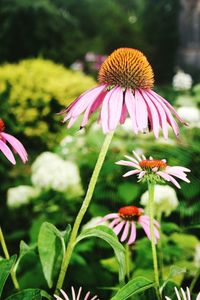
{"type": "Point", "coordinates": [74, 296]}
{"type": "Point", "coordinates": [15, 143]}
{"type": "Point", "coordinates": [182, 295]}
{"type": "Point", "coordinates": [123, 223]}
{"type": "Point", "coordinates": [154, 170]}
{"type": "Point", "coordinates": [125, 87]}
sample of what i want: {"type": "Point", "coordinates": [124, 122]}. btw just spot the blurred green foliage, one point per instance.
{"type": "Point", "coordinates": [65, 30]}
{"type": "Point", "coordinates": [32, 93]}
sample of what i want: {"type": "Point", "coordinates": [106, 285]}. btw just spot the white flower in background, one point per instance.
{"type": "Point", "coordinates": [50, 171]}
{"type": "Point", "coordinates": [90, 57]}
{"type": "Point", "coordinates": [182, 295]}
{"type": "Point", "coordinates": [165, 199]}
{"type": "Point", "coordinates": [21, 195]}
{"type": "Point", "coordinates": [77, 66]}
{"type": "Point", "coordinates": [197, 256]}
{"type": "Point", "coordinates": [190, 114]}
{"type": "Point", "coordinates": [182, 81]}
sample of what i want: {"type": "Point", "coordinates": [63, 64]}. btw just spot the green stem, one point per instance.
{"type": "Point", "coordinates": [7, 256]}
{"type": "Point", "coordinates": [127, 257]}
{"type": "Point", "coordinates": [160, 253]}
{"type": "Point", "coordinates": [153, 240]}
{"type": "Point", "coordinates": [83, 209]}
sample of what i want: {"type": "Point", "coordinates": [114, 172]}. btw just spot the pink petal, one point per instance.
{"type": "Point", "coordinates": [119, 227]}
{"type": "Point", "coordinates": [17, 146]}
{"type": "Point", "coordinates": [115, 108]}
{"type": "Point", "coordinates": [58, 298]}
{"type": "Point", "coordinates": [64, 294]}
{"type": "Point", "coordinates": [79, 293]}
{"type": "Point", "coordinates": [141, 112]}
{"type": "Point", "coordinates": [179, 168]}
{"type": "Point", "coordinates": [109, 216]}
{"type": "Point", "coordinates": [132, 159]}
{"type": "Point", "coordinates": [170, 107]}
{"type": "Point", "coordinates": [146, 218]}
{"type": "Point", "coordinates": [146, 226]}
{"type": "Point", "coordinates": [7, 152]}
{"type": "Point", "coordinates": [130, 104]}
{"type": "Point", "coordinates": [73, 293]}
{"type": "Point", "coordinates": [163, 175]}
{"type": "Point", "coordinates": [141, 174]}
{"type": "Point", "coordinates": [125, 232]}
{"type": "Point", "coordinates": [93, 298]}
{"type": "Point", "coordinates": [152, 112]}
{"type": "Point", "coordinates": [123, 114]}
{"type": "Point", "coordinates": [173, 180]}
{"type": "Point", "coordinates": [162, 115]}
{"type": "Point", "coordinates": [88, 98]}
{"type": "Point", "coordinates": [105, 114]}
{"type": "Point", "coordinates": [114, 222]}
{"type": "Point", "coordinates": [132, 237]}
{"type": "Point", "coordinates": [87, 296]}
{"type": "Point", "coordinates": [128, 163]}
{"type": "Point", "coordinates": [93, 107]}
{"type": "Point", "coordinates": [129, 173]}
{"type": "Point", "coordinates": [179, 175]}
{"type": "Point", "coordinates": [170, 118]}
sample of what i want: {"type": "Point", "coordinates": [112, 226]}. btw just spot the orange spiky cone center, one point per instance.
{"type": "Point", "coordinates": [127, 68]}
{"type": "Point", "coordinates": [152, 163]}
{"type": "Point", "coordinates": [129, 213]}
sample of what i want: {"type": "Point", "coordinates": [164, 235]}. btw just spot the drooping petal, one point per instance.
{"type": "Point", "coordinates": [114, 222]}
{"type": "Point", "coordinates": [179, 175]}
{"type": "Point", "coordinates": [132, 237]}
{"type": "Point", "coordinates": [108, 217]}
{"type": "Point", "coordinates": [128, 163]}
{"type": "Point", "coordinates": [130, 104]}
{"type": "Point", "coordinates": [73, 293]}
{"type": "Point", "coordinates": [129, 173]}
{"type": "Point", "coordinates": [7, 152]}
{"type": "Point", "coordinates": [179, 168]}
{"type": "Point", "coordinates": [119, 227]}
{"type": "Point", "coordinates": [146, 218]}
{"type": "Point", "coordinates": [177, 294]}
{"type": "Point", "coordinates": [105, 114]}
{"type": "Point", "coordinates": [169, 116]}
{"type": "Point", "coordinates": [145, 223]}
{"type": "Point", "coordinates": [164, 175]}
{"type": "Point", "coordinates": [141, 174]}
{"type": "Point", "coordinates": [162, 115]}
{"type": "Point", "coordinates": [141, 112]}
{"type": "Point", "coordinates": [92, 107]}
{"type": "Point", "coordinates": [17, 146]}
{"type": "Point", "coordinates": [125, 232]}
{"type": "Point", "coordinates": [152, 112]}
{"type": "Point", "coordinates": [123, 114]}
{"type": "Point", "coordinates": [173, 180]}
{"type": "Point", "coordinates": [115, 108]}
{"type": "Point", "coordinates": [79, 293]}
{"type": "Point", "coordinates": [64, 294]}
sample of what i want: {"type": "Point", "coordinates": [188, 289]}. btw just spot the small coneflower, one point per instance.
{"type": "Point", "coordinates": [73, 295]}
{"type": "Point", "coordinates": [125, 87]}
{"type": "Point", "coordinates": [15, 144]}
{"type": "Point", "coordinates": [124, 223]}
{"type": "Point", "coordinates": [182, 295]}
{"type": "Point", "coordinates": [154, 170]}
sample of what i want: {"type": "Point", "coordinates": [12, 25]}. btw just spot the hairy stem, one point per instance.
{"type": "Point", "coordinates": [83, 209]}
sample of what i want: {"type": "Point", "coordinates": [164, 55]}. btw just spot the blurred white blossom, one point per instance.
{"type": "Point", "coordinates": [21, 195]}
{"type": "Point", "coordinates": [182, 81]}
{"type": "Point", "coordinates": [50, 171]}
{"type": "Point", "coordinates": [190, 114]}
{"type": "Point", "coordinates": [165, 200]}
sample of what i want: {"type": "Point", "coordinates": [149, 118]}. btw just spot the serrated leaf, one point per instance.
{"type": "Point", "coordinates": [27, 294]}
{"type": "Point", "coordinates": [6, 266]}
{"type": "Point", "coordinates": [175, 270]}
{"type": "Point", "coordinates": [109, 236]}
{"type": "Point", "coordinates": [51, 247]}
{"type": "Point", "coordinates": [133, 287]}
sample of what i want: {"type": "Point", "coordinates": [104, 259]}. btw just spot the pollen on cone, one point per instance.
{"type": "Point", "coordinates": [127, 68]}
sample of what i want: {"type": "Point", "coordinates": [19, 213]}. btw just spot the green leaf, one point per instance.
{"type": "Point", "coordinates": [105, 233]}
{"type": "Point", "coordinates": [128, 191]}
{"type": "Point", "coordinates": [5, 267]}
{"type": "Point", "coordinates": [33, 294]}
{"type": "Point", "coordinates": [133, 287]}
{"type": "Point", "coordinates": [51, 247]}
{"type": "Point", "coordinates": [175, 270]}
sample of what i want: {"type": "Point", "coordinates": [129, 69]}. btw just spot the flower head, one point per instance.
{"type": "Point", "coordinates": [165, 200]}
{"type": "Point", "coordinates": [15, 144]}
{"type": "Point", "coordinates": [124, 223]}
{"type": "Point", "coordinates": [182, 295]}
{"type": "Point", "coordinates": [154, 170]}
{"type": "Point", "coordinates": [125, 88]}
{"type": "Point", "coordinates": [74, 297]}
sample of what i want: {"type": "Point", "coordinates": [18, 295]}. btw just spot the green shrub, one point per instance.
{"type": "Point", "coordinates": [33, 92]}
